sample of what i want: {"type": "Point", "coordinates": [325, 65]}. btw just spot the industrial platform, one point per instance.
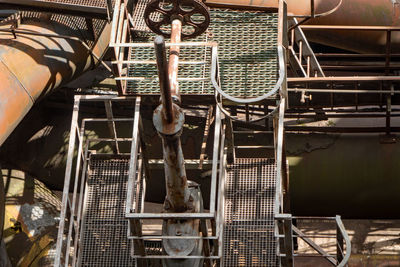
{"type": "Point", "coordinates": [240, 60]}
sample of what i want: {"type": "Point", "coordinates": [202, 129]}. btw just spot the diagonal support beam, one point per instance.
{"type": "Point", "coordinates": [312, 244]}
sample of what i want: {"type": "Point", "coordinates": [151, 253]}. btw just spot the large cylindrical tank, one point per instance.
{"type": "Point", "coordinates": [32, 66]}
{"type": "Point", "coordinates": [358, 13]}
{"type": "Point", "coordinates": [349, 12]}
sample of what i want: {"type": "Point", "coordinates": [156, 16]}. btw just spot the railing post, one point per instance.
{"type": "Point", "coordinates": [339, 243]}
{"type": "Point", "coordinates": [287, 239]}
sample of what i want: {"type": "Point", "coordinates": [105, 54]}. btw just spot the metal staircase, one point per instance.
{"type": "Point", "coordinates": [103, 234]}
{"type": "Point", "coordinates": [302, 59]}
{"type": "Point", "coordinates": [249, 221]}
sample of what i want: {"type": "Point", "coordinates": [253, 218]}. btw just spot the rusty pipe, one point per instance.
{"type": "Point", "coordinates": [33, 66]}
{"type": "Point", "coordinates": [168, 119]}
{"type": "Point", "coordinates": [176, 32]}
{"type": "Point", "coordinates": [174, 163]}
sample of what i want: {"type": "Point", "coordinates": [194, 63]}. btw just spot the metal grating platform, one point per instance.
{"type": "Point", "coordinates": [53, 3]}
{"type": "Point", "coordinates": [104, 239]}
{"type": "Point", "coordinates": [249, 238]}
{"type": "Point", "coordinates": [95, 3]}
{"type": "Point", "coordinates": [139, 24]}
{"type": "Point", "coordinates": [247, 42]}
{"type": "Point", "coordinates": [77, 25]}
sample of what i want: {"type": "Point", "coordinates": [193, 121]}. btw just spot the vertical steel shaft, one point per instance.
{"type": "Point", "coordinates": [162, 67]}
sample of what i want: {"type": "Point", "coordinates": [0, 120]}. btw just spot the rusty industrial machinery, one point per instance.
{"type": "Point", "coordinates": [242, 216]}
{"type": "Point", "coordinates": [184, 161]}
{"type": "Point", "coordinates": [182, 195]}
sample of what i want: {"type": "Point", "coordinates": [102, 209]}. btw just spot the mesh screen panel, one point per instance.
{"type": "Point", "coordinates": [104, 239]}
{"type": "Point", "coordinates": [249, 218]}
{"type": "Point", "coordinates": [247, 53]}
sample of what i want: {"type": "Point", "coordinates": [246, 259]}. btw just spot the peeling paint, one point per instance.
{"type": "Point", "coordinates": [298, 144]}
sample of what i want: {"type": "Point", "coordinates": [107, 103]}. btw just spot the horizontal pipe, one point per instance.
{"type": "Point", "coordinates": [350, 27]}
{"type": "Point", "coordinates": [342, 91]}
{"type": "Point", "coordinates": [33, 66]}
{"type": "Point", "coordinates": [346, 79]}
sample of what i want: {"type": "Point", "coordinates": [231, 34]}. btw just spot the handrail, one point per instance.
{"type": "Point", "coordinates": [346, 239]}
{"type": "Point", "coordinates": [279, 157]}
{"type": "Point", "coordinates": [307, 18]}
{"type": "Point", "coordinates": [340, 259]}
{"type": "Point", "coordinates": [313, 15]}
{"type": "Point", "coordinates": [214, 75]}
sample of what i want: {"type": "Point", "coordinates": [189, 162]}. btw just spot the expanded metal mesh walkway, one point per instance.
{"type": "Point", "coordinates": [247, 52]}
{"type": "Point", "coordinates": [104, 239]}
{"type": "Point", "coordinates": [249, 226]}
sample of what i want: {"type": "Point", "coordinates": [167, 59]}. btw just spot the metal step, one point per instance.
{"type": "Point", "coordinates": [104, 239]}
{"type": "Point", "coordinates": [249, 237]}
{"type": "Point", "coordinates": [253, 144]}
{"type": "Point", "coordinates": [252, 132]}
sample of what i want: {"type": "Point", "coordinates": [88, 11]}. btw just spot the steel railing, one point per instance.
{"type": "Point", "coordinates": [80, 148]}
{"type": "Point", "coordinates": [288, 232]}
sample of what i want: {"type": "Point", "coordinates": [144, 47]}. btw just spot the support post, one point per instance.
{"type": "Point", "coordinates": [339, 245]}
{"type": "Point", "coordinates": [287, 227]}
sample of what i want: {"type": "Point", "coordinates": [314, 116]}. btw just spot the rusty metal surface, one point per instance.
{"type": "Point", "coordinates": [358, 13]}
{"type": "Point", "coordinates": [295, 7]}
{"type": "Point", "coordinates": [174, 168]}
{"type": "Point", "coordinates": [173, 63]}
{"type": "Point", "coordinates": [168, 120]}
{"type": "Point", "coordinates": [32, 66]}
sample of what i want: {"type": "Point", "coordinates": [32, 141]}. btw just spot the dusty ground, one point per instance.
{"type": "Point", "coordinates": [373, 242]}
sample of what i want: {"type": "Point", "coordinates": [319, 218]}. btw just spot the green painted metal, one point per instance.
{"type": "Point", "coordinates": [247, 54]}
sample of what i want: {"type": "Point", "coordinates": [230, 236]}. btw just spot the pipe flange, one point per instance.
{"type": "Point", "coordinates": [165, 128]}
{"type": "Point", "coordinates": [193, 14]}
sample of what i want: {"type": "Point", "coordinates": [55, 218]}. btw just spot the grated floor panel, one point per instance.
{"type": "Point", "coordinates": [94, 3]}
{"type": "Point", "coordinates": [104, 239]}
{"type": "Point", "coordinates": [247, 43]}
{"type": "Point", "coordinates": [77, 26]}
{"type": "Point", "coordinates": [249, 218]}
{"type": "Point", "coordinates": [139, 24]}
